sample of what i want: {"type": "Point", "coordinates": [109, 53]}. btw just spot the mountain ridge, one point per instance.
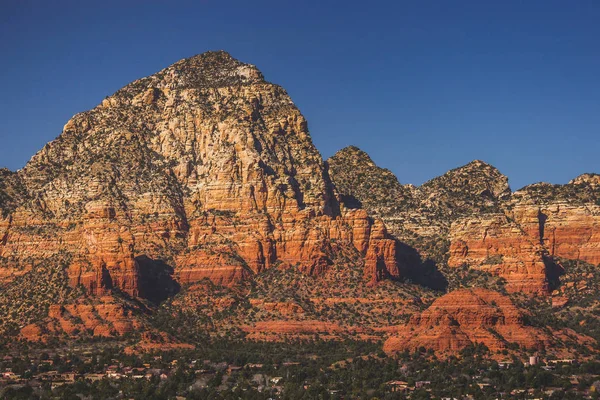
{"type": "Point", "coordinates": [197, 192]}
{"type": "Point", "coordinates": [201, 171]}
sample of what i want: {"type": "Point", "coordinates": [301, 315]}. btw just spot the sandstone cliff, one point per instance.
{"type": "Point", "coordinates": [466, 317]}
{"type": "Point", "coordinates": [540, 224]}
{"type": "Point", "coordinates": [469, 217]}
{"type": "Point", "coordinates": [420, 216]}
{"type": "Point", "coordinates": [202, 170]}
{"type": "Point", "coordinates": [199, 188]}
{"type": "Point", "coordinates": [495, 244]}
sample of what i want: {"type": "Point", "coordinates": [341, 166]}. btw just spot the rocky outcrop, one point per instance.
{"type": "Point", "coordinates": [465, 317]}
{"type": "Point", "coordinates": [203, 170]}
{"type": "Point", "coordinates": [539, 224]}
{"type": "Point", "coordinates": [419, 216]}
{"type": "Point", "coordinates": [362, 184]}
{"type": "Point", "coordinates": [105, 318]}
{"type": "Point", "coordinates": [566, 230]}
{"type": "Point", "coordinates": [474, 188]}
{"type": "Point", "coordinates": [590, 180]}
{"type": "Point", "coordinates": [203, 178]}
{"type": "Point", "coordinates": [497, 245]}
{"type": "Point", "coordinates": [469, 217]}
{"type": "Point", "coordinates": [565, 219]}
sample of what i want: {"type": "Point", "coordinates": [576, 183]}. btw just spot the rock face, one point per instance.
{"type": "Point", "coordinates": [106, 318]}
{"type": "Point", "coordinates": [497, 245]}
{"type": "Point", "coordinates": [202, 170]}
{"type": "Point", "coordinates": [539, 224]}
{"type": "Point", "coordinates": [565, 219]}
{"type": "Point", "coordinates": [466, 317]}
{"type": "Point", "coordinates": [363, 184]}
{"type": "Point", "coordinates": [469, 217]}
{"type": "Point", "coordinates": [204, 177]}
{"type": "Point", "coordinates": [420, 216]}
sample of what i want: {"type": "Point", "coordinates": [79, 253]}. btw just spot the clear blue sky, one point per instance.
{"type": "Point", "coordinates": [422, 86]}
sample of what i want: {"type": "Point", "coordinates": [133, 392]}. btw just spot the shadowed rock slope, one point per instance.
{"type": "Point", "coordinates": [420, 216]}
{"type": "Point", "coordinates": [468, 217]}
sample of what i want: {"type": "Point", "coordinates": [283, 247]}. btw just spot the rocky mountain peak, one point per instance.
{"type": "Point", "coordinates": [585, 189]}
{"type": "Point", "coordinates": [188, 119]}
{"type": "Point", "coordinates": [478, 163]}
{"type": "Point", "coordinates": [475, 178]}
{"type": "Point", "coordinates": [420, 216]}
{"type": "Point", "coordinates": [205, 172]}
{"type": "Point", "coordinates": [591, 179]}
{"type": "Point", "coordinates": [361, 181]}
{"type": "Point", "coordinates": [200, 171]}
{"type": "Point", "coordinates": [209, 70]}
{"type": "Point", "coordinates": [354, 155]}
{"type": "Point", "coordinates": [214, 69]}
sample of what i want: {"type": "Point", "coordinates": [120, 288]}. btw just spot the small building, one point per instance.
{"type": "Point", "coordinates": [533, 360]}
{"type": "Point", "coordinates": [505, 364]}
{"type": "Point", "coordinates": [10, 375]}
{"type": "Point", "coordinates": [94, 377]}
{"type": "Point", "coordinates": [233, 368]}
{"type": "Point", "coordinates": [397, 386]}
{"type": "Point", "coordinates": [563, 361]}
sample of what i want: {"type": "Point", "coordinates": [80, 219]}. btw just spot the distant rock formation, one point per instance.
{"type": "Point", "coordinates": [469, 217]}
{"type": "Point", "coordinates": [466, 317]}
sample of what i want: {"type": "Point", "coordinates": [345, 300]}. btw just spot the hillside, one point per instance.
{"type": "Point", "coordinates": [192, 205]}
{"type": "Point", "coordinates": [201, 172]}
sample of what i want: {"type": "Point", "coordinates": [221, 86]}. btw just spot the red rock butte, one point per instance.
{"type": "Point", "coordinates": [202, 170]}
{"type": "Point", "coordinates": [464, 318]}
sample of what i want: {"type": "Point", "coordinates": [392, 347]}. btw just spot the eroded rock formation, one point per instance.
{"type": "Point", "coordinates": [540, 225]}
{"type": "Point", "coordinates": [465, 317]}
{"type": "Point", "coordinates": [469, 217]}
{"type": "Point", "coordinates": [419, 216]}
{"type": "Point", "coordinates": [202, 170]}
{"type": "Point", "coordinates": [203, 177]}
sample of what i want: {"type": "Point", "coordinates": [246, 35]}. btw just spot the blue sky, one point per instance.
{"type": "Point", "coordinates": [422, 86]}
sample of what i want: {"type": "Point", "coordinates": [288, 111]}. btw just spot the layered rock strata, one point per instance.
{"type": "Point", "coordinates": [464, 318]}
{"type": "Point", "coordinates": [469, 217]}
{"type": "Point", "coordinates": [540, 224]}
{"type": "Point", "coordinates": [203, 170]}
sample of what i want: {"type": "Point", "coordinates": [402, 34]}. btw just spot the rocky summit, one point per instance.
{"type": "Point", "coordinates": [193, 202]}
{"type": "Point", "coordinates": [205, 166]}
{"type": "Point", "coordinates": [203, 170]}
